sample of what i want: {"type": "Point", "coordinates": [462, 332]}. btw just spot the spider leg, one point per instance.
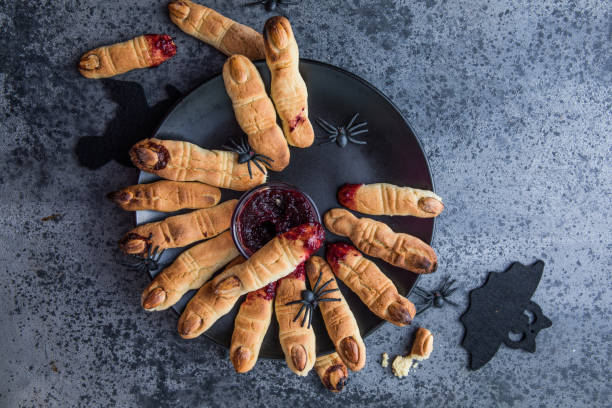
{"type": "Point", "coordinates": [420, 291]}
{"type": "Point", "coordinates": [295, 302]}
{"type": "Point", "coordinates": [326, 125]}
{"type": "Point", "coordinates": [361, 142]}
{"type": "Point", "coordinates": [263, 157]}
{"type": "Point", "coordinates": [328, 291]}
{"type": "Point", "coordinates": [129, 264]}
{"type": "Point", "coordinates": [328, 142]}
{"type": "Point", "coordinates": [323, 286]}
{"type": "Point", "coordinates": [259, 166]}
{"type": "Point", "coordinates": [244, 143]}
{"type": "Point", "coordinates": [310, 319]}
{"type": "Point", "coordinates": [287, 2]}
{"type": "Point", "coordinates": [249, 167]}
{"type": "Point", "coordinates": [444, 283]}
{"type": "Point", "coordinates": [359, 132]}
{"type": "Point", "coordinates": [352, 120]}
{"type": "Point", "coordinates": [297, 316]}
{"type": "Point", "coordinates": [308, 309]}
{"type": "Point", "coordinates": [447, 286]}
{"type": "Point", "coordinates": [330, 300]}
{"type": "Point", "coordinates": [450, 302]}
{"type": "Point", "coordinates": [449, 292]}
{"type": "Point", "coordinates": [357, 126]}
{"type": "Point", "coordinates": [263, 160]}
{"type": "Point", "coordinates": [265, 163]}
{"type": "Point", "coordinates": [254, 3]}
{"type": "Point", "coordinates": [424, 309]}
{"type": "Point", "coordinates": [314, 288]}
{"type": "Point", "coordinates": [231, 145]}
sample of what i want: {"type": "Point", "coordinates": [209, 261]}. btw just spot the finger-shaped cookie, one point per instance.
{"type": "Point", "coordinates": [209, 26]}
{"type": "Point", "coordinates": [184, 161]}
{"type": "Point", "coordinates": [388, 199]}
{"type": "Point", "coordinates": [332, 372]}
{"type": "Point", "coordinates": [288, 88]}
{"type": "Point", "coordinates": [189, 271]}
{"type": "Point", "coordinates": [166, 196]}
{"type": "Point", "coordinates": [376, 239]}
{"type": "Point", "coordinates": [295, 332]}
{"type": "Point", "coordinates": [276, 259]}
{"type": "Point", "coordinates": [250, 327]}
{"type": "Point", "coordinates": [179, 230]}
{"type": "Point", "coordinates": [145, 51]}
{"type": "Point", "coordinates": [254, 110]}
{"type": "Point", "coordinates": [339, 320]}
{"type": "Point", "coordinates": [206, 307]}
{"type": "Point", "coordinates": [374, 289]}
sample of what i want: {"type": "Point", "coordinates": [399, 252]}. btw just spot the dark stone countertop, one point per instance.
{"type": "Point", "coordinates": [512, 101]}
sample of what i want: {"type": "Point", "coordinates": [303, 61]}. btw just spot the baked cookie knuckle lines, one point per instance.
{"type": "Point", "coordinates": [145, 51]}
{"type": "Point", "coordinates": [206, 307]}
{"type": "Point", "coordinates": [254, 111]}
{"type": "Point", "coordinates": [183, 161]}
{"type": "Point", "coordinates": [276, 259]}
{"type": "Point", "coordinates": [376, 239]}
{"type": "Point", "coordinates": [288, 89]}
{"type": "Point", "coordinates": [166, 196]}
{"type": "Point", "coordinates": [297, 340]}
{"type": "Point", "coordinates": [372, 286]}
{"type": "Point", "coordinates": [209, 26]}
{"type": "Point", "coordinates": [388, 199]}
{"type": "Point", "coordinates": [339, 320]}
{"type": "Point", "coordinates": [179, 230]}
{"type": "Point", "coordinates": [250, 327]}
{"type": "Point", "coordinates": [190, 270]}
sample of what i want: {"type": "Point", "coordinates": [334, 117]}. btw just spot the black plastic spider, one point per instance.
{"type": "Point", "coordinates": [310, 300]}
{"type": "Point", "coordinates": [148, 263]}
{"type": "Point", "coordinates": [270, 5]}
{"type": "Point", "coordinates": [436, 297]}
{"type": "Point", "coordinates": [342, 134]}
{"type": "Point", "coordinates": [246, 154]}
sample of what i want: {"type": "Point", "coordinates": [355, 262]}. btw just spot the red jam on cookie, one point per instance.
{"type": "Point", "coordinates": [267, 292]}
{"type": "Point", "coordinates": [338, 251]}
{"type": "Point", "coordinates": [161, 47]}
{"type": "Point", "coordinates": [346, 194]}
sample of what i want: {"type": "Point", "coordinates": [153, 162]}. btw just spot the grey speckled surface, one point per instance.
{"type": "Point", "coordinates": [512, 101]}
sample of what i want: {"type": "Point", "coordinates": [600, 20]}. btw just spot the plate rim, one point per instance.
{"type": "Point", "coordinates": [365, 82]}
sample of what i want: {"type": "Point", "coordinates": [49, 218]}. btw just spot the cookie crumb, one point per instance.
{"type": "Point", "coordinates": [385, 360]}
{"type": "Point", "coordinates": [54, 367]}
{"type": "Point", "coordinates": [401, 366]}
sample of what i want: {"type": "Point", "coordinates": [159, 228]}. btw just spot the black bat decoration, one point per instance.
{"type": "Point", "coordinates": [134, 120]}
{"type": "Point", "coordinates": [497, 308]}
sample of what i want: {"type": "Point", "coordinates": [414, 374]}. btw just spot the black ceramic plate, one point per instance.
{"type": "Point", "coordinates": [392, 154]}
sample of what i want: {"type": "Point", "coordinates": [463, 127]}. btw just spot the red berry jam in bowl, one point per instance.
{"type": "Point", "coordinates": [267, 211]}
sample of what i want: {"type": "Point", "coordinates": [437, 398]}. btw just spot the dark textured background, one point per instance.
{"type": "Point", "coordinates": [512, 101]}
